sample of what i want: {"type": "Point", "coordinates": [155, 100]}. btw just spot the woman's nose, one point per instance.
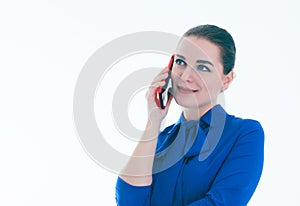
{"type": "Point", "coordinates": [187, 74]}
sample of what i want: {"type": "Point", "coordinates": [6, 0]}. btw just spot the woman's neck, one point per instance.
{"type": "Point", "coordinates": [196, 113]}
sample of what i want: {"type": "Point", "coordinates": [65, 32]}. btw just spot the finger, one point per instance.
{"type": "Point", "coordinates": [155, 85]}
{"type": "Point", "coordinates": [161, 77]}
{"type": "Point", "coordinates": [153, 89]}
{"type": "Point", "coordinates": [166, 69]}
{"type": "Point", "coordinates": [163, 71]}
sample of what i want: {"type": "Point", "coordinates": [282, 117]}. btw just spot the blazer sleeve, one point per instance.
{"type": "Point", "coordinates": [129, 195]}
{"type": "Point", "coordinates": [240, 173]}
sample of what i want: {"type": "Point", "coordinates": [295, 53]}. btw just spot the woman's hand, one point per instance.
{"type": "Point", "coordinates": [155, 113]}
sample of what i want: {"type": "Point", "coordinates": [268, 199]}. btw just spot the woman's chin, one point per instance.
{"type": "Point", "coordinates": [186, 103]}
{"type": "Point", "coordinates": [191, 103]}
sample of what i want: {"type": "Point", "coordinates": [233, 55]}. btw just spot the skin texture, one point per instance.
{"type": "Point", "coordinates": [198, 79]}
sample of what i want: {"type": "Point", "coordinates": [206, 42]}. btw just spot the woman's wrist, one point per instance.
{"type": "Point", "coordinates": [153, 125]}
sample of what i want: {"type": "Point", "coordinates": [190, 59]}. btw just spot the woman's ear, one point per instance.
{"type": "Point", "coordinates": [227, 79]}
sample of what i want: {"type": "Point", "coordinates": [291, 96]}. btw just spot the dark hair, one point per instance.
{"type": "Point", "coordinates": [221, 38]}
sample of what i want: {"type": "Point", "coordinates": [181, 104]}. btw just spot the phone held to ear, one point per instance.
{"type": "Point", "coordinates": [162, 94]}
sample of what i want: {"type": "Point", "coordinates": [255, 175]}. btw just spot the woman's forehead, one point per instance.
{"type": "Point", "coordinates": [198, 48]}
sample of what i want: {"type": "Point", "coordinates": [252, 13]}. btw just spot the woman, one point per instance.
{"type": "Point", "coordinates": [208, 157]}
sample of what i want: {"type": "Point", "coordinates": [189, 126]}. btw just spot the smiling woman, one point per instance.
{"type": "Point", "coordinates": [199, 70]}
{"type": "Point", "coordinates": [208, 157]}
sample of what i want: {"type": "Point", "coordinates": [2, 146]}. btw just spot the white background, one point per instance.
{"type": "Point", "coordinates": [44, 45]}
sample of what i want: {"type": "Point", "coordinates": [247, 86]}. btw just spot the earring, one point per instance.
{"type": "Point", "coordinates": [234, 75]}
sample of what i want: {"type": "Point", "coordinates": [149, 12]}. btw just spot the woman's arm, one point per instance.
{"type": "Point", "coordinates": [133, 185]}
{"type": "Point", "coordinates": [138, 171]}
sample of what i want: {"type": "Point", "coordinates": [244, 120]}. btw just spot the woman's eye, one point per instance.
{"type": "Point", "coordinates": [203, 68]}
{"type": "Point", "coordinates": [180, 62]}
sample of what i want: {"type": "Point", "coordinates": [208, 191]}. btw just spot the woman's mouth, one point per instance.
{"type": "Point", "coordinates": [185, 90]}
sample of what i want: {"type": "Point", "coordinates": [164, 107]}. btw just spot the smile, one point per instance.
{"type": "Point", "coordinates": [185, 90]}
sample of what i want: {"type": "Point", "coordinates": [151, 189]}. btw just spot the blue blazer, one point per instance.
{"type": "Point", "coordinates": [216, 160]}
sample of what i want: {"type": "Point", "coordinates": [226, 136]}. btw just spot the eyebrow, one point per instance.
{"type": "Point", "coordinates": [204, 62]}
{"type": "Point", "coordinates": [198, 61]}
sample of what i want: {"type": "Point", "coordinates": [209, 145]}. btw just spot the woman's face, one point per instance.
{"type": "Point", "coordinates": [197, 73]}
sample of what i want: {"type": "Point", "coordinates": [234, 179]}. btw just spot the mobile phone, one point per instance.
{"type": "Point", "coordinates": [163, 93]}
